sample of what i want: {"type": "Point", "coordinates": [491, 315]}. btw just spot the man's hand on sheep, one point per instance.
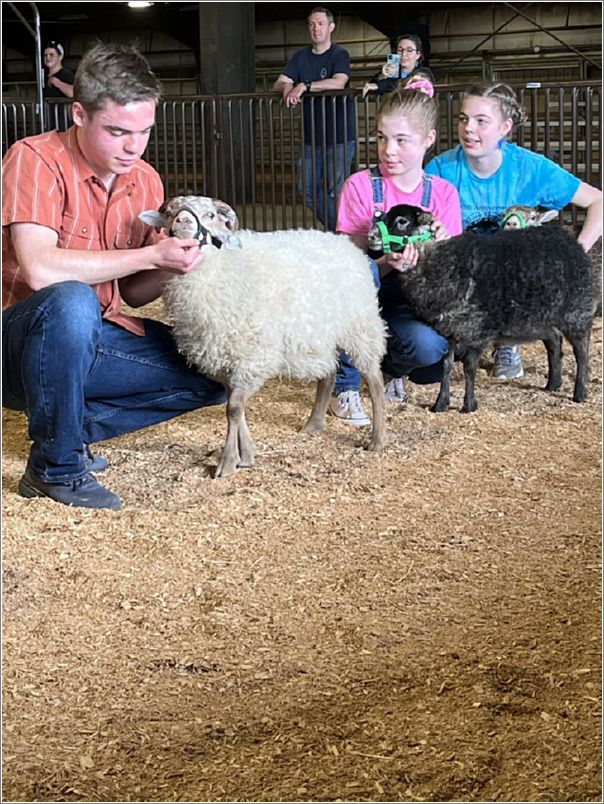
{"type": "Point", "coordinates": [177, 256]}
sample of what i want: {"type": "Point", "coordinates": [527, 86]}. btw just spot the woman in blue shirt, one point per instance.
{"type": "Point", "coordinates": [491, 175]}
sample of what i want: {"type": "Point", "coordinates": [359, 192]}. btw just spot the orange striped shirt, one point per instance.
{"type": "Point", "coordinates": [46, 180]}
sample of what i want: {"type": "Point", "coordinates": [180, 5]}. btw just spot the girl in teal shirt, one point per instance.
{"type": "Point", "coordinates": [491, 175]}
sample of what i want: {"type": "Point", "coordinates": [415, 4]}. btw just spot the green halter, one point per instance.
{"type": "Point", "coordinates": [521, 220]}
{"type": "Point", "coordinates": [389, 239]}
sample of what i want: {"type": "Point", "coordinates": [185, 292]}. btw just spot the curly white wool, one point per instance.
{"type": "Point", "coordinates": [284, 304]}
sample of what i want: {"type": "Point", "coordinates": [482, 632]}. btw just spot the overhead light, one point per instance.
{"type": "Point", "coordinates": [139, 4]}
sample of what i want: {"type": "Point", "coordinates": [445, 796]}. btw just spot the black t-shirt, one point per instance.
{"type": "Point", "coordinates": [304, 65]}
{"type": "Point", "coordinates": [63, 75]}
{"type": "Point", "coordinates": [385, 85]}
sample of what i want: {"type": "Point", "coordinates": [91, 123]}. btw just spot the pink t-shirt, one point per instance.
{"type": "Point", "coordinates": [355, 211]}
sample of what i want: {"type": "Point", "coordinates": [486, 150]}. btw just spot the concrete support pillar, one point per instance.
{"type": "Point", "coordinates": [227, 48]}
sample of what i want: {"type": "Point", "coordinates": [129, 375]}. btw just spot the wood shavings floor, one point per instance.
{"type": "Point", "coordinates": [418, 625]}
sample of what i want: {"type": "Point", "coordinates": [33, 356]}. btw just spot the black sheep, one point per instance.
{"type": "Point", "coordinates": [512, 286]}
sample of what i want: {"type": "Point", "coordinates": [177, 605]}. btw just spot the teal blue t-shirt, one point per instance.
{"type": "Point", "coordinates": [523, 178]}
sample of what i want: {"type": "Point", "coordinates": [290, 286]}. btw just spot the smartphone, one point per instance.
{"type": "Point", "coordinates": [394, 58]}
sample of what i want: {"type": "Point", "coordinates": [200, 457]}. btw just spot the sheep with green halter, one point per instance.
{"type": "Point", "coordinates": [526, 282]}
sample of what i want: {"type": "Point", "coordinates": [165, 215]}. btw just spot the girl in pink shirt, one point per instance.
{"type": "Point", "coordinates": [406, 128]}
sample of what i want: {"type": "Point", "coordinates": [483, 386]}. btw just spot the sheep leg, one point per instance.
{"type": "Point", "coordinates": [316, 420]}
{"type": "Point", "coordinates": [247, 448]}
{"type": "Point", "coordinates": [581, 344]}
{"type": "Point", "coordinates": [375, 382]}
{"type": "Point", "coordinates": [470, 363]}
{"type": "Point", "coordinates": [442, 400]}
{"type": "Point", "coordinates": [553, 345]}
{"type": "Point", "coordinates": [230, 459]}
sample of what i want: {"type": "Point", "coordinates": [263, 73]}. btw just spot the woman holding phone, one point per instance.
{"type": "Point", "coordinates": [410, 58]}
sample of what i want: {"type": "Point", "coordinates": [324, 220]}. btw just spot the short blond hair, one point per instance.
{"type": "Point", "coordinates": [410, 103]}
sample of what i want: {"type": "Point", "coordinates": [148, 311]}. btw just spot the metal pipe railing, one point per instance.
{"type": "Point", "coordinates": [39, 71]}
{"type": "Point", "coordinates": [245, 147]}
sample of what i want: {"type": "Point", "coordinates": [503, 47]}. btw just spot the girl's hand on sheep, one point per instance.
{"type": "Point", "coordinates": [403, 260]}
{"type": "Point", "coordinates": [178, 256]}
{"type": "Point", "coordinates": [440, 233]}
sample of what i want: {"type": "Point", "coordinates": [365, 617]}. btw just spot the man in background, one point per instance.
{"type": "Point", "coordinates": [327, 150]}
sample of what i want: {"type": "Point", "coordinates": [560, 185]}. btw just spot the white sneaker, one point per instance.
{"type": "Point", "coordinates": [507, 363]}
{"type": "Point", "coordinates": [394, 390]}
{"type": "Point", "coordinates": [347, 407]}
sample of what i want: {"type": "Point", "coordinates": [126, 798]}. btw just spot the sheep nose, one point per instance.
{"type": "Point", "coordinates": [374, 235]}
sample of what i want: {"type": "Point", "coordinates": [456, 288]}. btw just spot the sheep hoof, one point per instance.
{"type": "Point", "coordinates": [225, 468]}
{"type": "Point", "coordinates": [376, 445]}
{"type": "Point", "coordinates": [553, 385]}
{"type": "Point", "coordinates": [469, 407]}
{"type": "Point", "coordinates": [440, 407]}
{"type": "Point", "coordinates": [313, 427]}
{"type": "Point", "coordinates": [580, 398]}
{"type": "Point", "coordinates": [224, 472]}
{"type": "Point", "coordinates": [247, 460]}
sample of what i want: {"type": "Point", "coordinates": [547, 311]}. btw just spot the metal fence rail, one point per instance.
{"type": "Point", "coordinates": [243, 148]}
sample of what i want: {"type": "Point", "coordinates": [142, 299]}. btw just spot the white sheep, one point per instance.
{"type": "Point", "coordinates": [274, 304]}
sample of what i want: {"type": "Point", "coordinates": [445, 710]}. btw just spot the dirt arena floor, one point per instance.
{"type": "Point", "coordinates": [417, 625]}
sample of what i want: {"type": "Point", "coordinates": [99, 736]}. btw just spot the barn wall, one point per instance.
{"type": "Point", "coordinates": [460, 47]}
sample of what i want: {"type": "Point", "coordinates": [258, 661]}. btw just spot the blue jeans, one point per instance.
{"type": "Point", "coordinates": [81, 379]}
{"type": "Point", "coordinates": [316, 164]}
{"type": "Point", "coordinates": [413, 349]}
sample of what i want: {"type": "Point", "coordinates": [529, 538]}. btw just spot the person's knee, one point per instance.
{"type": "Point", "coordinates": [414, 348]}
{"type": "Point", "coordinates": [72, 307]}
{"type": "Point", "coordinates": [430, 349]}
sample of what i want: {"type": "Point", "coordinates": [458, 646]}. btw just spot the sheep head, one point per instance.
{"type": "Point", "coordinates": [401, 225]}
{"type": "Point", "coordinates": [523, 217]}
{"type": "Point", "coordinates": [207, 220]}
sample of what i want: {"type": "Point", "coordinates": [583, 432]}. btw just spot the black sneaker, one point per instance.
{"type": "Point", "coordinates": [94, 463]}
{"type": "Point", "coordinates": [85, 492]}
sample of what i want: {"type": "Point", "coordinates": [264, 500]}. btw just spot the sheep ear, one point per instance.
{"type": "Point", "coordinates": [154, 218]}
{"type": "Point", "coordinates": [548, 215]}
{"type": "Point", "coordinates": [425, 219]}
{"type": "Point", "coordinates": [226, 214]}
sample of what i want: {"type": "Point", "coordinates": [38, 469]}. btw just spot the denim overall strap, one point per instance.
{"type": "Point", "coordinates": [377, 187]}
{"type": "Point", "coordinates": [426, 190]}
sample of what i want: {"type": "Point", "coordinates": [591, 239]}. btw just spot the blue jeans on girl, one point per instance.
{"type": "Point", "coordinates": [81, 379]}
{"type": "Point", "coordinates": [413, 350]}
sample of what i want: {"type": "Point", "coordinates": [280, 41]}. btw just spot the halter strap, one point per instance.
{"type": "Point", "coordinates": [520, 219]}
{"type": "Point", "coordinates": [389, 240]}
